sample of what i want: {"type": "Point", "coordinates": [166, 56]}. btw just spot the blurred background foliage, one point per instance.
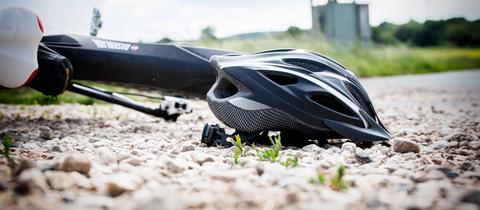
{"type": "Point", "coordinates": [457, 32]}
{"type": "Point", "coordinates": [410, 48]}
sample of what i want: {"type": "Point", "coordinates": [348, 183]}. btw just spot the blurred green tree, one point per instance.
{"type": "Point", "coordinates": [384, 33]}
{"type": "Point", "coordinates": [455, 31]}
{"type": "Point", "coordinates": [165, 40]}
{"type": "Point", "coordinates": [406, 32]}
{"type": "Point", "coordinates": [208, 33]}
{"type": "Point", "coordinates": [294, 31]}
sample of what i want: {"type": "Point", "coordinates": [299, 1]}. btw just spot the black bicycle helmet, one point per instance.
{"type": "Point", "coordinates": [292, 91]}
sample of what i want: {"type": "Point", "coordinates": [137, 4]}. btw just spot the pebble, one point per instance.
{"type": "Point", "coordinates": [46, 133]}
{"type": "Point", "coordinates": [472, 197]}
{"type": "Point", "coordinates": [31, 146]}
{"type": "Point", "coordinates": [3, 188]}
{"type": "Point", "coordinates": [23, 165]}
{"type": "Point", "coordinates": [448, 172]}
{"type": "Point", "coordinates": [226, 176]}
{"type": "Point", "coordinates": [120, 183]}
{"type": "Point", "coordinates": [349, 146]}
{"type": "Point", "coordinates": [260, 169]}
{"type": "Point", "coordinates": [30, 181]}
{"type": "Point", "coordinates": [201, 158]}
{"type": "Point", "coordinates": [81, 180]}
{"type": "Point", "coordinates": [405, 146]}
{"type": "Point", "coordinates": [451, 145]}
{"type": "Point", "coordinates": [45, 165]}
{"type": "Point", "coordinates": [188, 148]}
{"type": "Point", "coordinates": [59, 180]}
{"type": "Point", "coordinates": [465, 152]}
{"type": "Point", "coordinates": [105, 156]}
{"type": "Point", "coordinates": [94, 139]}
{"type": "Point", "coordinates": [362, 157]}
{"type": "Point", "coordinates": [57, 148]}
{"type": "Point", "coordinates": [134, 160]}
{"type": "Point", "coordinates": [474, 145]}
{"type": "Point", "coordinates": [292, 197]}
{"type": "Point", "coordinates": [159, 198]}
{"type": "Point", "coordinates": [311, 148]}
{"type": "Point", "coordinates": [333, 150]}
{"type": "Point", "coordinates": [466, 206]}
{"type": "Point", "coordinates": [75, 162]}
{"type": "Point", "coordinates": [176, 165]}
{"type": "Point", "coordinates": [467, 166]}
{"type": "Point", "coordinates": [459, 136]}
{"type": "Point", "coordinates": [439, 145]}
{"type": "Point", "coordinates": [430, 175]}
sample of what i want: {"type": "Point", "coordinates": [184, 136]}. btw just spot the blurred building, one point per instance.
{"type": "Point", "coordinates": [344, 22]}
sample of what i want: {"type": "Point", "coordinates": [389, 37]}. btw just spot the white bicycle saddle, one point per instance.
{"type": "Point", "coordinates": [20, 33]}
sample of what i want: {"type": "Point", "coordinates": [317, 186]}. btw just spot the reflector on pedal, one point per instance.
{"type": "Point", "coordinates": [175, 105]}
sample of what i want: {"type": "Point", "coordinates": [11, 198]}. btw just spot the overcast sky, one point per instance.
{"type": "Point", "coordinates": [150, 20]}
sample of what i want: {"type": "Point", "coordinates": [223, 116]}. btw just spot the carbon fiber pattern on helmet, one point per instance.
{"type": "Point", "coordinates": [254, 120]}
{"type": "Point", "coordinates": [245, 103]}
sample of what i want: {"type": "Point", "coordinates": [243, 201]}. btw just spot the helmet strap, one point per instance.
{"type": "Point", "coordinates": [214, 135]}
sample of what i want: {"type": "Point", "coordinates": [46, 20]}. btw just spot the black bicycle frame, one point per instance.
{"type": "Point", "coordinates": [172, 67]}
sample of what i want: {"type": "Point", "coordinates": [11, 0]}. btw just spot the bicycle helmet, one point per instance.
{"type": "Point", "coordinates": [293, 91]}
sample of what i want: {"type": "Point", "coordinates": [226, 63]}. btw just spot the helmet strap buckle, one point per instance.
{"type": "Point", "coordinates": [214, 135]}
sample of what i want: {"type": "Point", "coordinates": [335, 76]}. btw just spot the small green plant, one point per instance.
{"type": "Point", "coordinates": [271, 154]}
{"type": "Point", "coordinates": [239, 149]}
{"type": "Point", "coordinates": [337, 182]}
{"type": "Point", "coordinates": [319, 179]}
{"type": "Point", "coordinates": [7, 145]}
{"type": "Point", "coordinates": [291, 162]}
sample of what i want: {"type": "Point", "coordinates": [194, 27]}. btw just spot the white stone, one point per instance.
{"type": "Point", "coordinates": [32, 180]}
{"type": "Point", "coordinates": [312, 148]}
{"type": "Point", "coordinates": [75, 161]}
{"type": "Point", "coordinates": [119, 183]}
{"type": "Point", "coordinates": [105, 156]}
{"type": "Point", "coordinates": [201, 158]}
{"type": "Point", "coordinates": [349, 146]}
{"type": "Point", "coordinates": [46, 133]}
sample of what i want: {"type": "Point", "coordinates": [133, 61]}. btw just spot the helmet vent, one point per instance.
{"type": "Point", "coordinates": [361, 100]}
{"type": "Point", "coordinates": [309, 65]}
{"type": "Point", "coordinates": [225, 89]}
{"type": "Point", "coordinates": [328, 101]}
{"type": "Point", "coordinates": [282, 79]}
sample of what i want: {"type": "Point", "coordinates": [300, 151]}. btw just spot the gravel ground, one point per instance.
{"type": "Point", "coordinates": [109, 157]}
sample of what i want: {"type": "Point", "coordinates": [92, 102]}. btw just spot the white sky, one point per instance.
{"type": "Point", "coordinates": [151, 20]}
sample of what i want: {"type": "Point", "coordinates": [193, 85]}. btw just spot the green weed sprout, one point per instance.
{"type": "Point", "coordinates": [239, 149]}
{"type": "Point", "coordinates": [319, 179]}
{"type": "Point", "coordinates": [337, 183]}
{"type": "Point", "coordinates": [7, 145]}
{"type": "Point", "coordinates": [291, 162]}
{"type": "Point", "coordinates": [271, 154]}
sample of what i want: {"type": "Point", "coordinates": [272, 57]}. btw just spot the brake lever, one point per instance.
{"type": "Point", "coordinates": [170, 108]}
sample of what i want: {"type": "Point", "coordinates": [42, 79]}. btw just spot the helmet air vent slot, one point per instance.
{"type": "Point", "coordinates": [282, 79]}
{"type": "Point", "coordinates": [310, 65]}
{"type": "Point", "coordinates": [328, 101]}
{"type": "Point", "coordinates": [361, 100]}
{"type": "Point", "coordinates": [225, 89]}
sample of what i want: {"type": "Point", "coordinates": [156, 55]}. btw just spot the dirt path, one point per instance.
{"type": "Point", "coordinates": [108, 157]}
